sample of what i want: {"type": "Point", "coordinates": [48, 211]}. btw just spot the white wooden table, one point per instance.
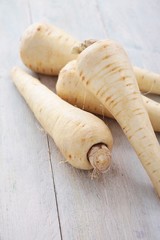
{"type": "Point", "coordinates": [42, 198]}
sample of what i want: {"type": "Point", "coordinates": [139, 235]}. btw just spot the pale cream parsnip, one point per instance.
{"type": "Point", "coordinates": [70, 88]}
{"type": "Point", "coordinates": [45, 48]}
{"type": "Point", "coordinates": [84, 140]}
{"type": "Point", "coordinates": [104, 68]}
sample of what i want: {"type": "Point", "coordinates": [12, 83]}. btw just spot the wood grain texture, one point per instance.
{"type": "Point", "coordinates": [27, 199]}
{"type": "Point", "coordinates": [122, 204]}
{"type": "Point", "coordinates": [35, 197]}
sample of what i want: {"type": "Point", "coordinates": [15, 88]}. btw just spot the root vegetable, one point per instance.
{"type": "Point", "coordinates": [104, 69]}
{"type": "Point", "coordinates": [83, 139]}
{"type": "Point", "coordinates": [148, 82]}
{"type": "Point", "coordinates": [70, 88]}
{"type": "Point", "coordinates": [153, 109]}
{"type": "Point", "coordinates": [47, 49]}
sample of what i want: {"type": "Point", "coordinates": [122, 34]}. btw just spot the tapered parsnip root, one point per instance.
{"type": "Point", "coordinates": [148, 82]}
{"type": "Point", "coordinates": [84, 140]}
{"type": "Point", "coordinates": [104, 69]}
{"type": "Point", "coordinates": [70, 88]}
{"type": "Point", "coordinates": [47, 49]}
{"type": "Point", "coordinates": [153, 109]}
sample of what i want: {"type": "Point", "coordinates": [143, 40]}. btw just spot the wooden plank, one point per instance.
{"type": "Point", "coordinates": [28, 208]}
{"type": "Point", "coordinates": [79, 19]}
{"type": "Point", "coordinates": [122, 204]}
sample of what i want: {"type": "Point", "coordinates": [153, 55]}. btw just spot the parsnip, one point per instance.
{"type": "Point", "coordinates": [153, 109]}
{"type": "Point", "coordinates": [104, 69]}
{"type": "Point", "coordinates": [148, 82]}
{"type": "Point", "coordinates": [47, 49]}
{"type": "Point", "coordinates": [83, 139]}
{"type": "Point", "coordinates": [70, 88]}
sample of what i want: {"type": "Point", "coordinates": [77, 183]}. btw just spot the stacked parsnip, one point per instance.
{"type": "Point", "coordinates": [70, 88]}
{"type": "Point", "coordinates": [47, 49]}
{"type": "Point", "coordinates": [100, 80]}
{"type": "Point", "coordinates": [106, 72]}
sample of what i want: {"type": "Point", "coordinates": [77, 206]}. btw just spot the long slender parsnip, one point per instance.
{"type": "Point", "coordinates": [104, 69]}
{"type": "Point", "coordinates": [83, 139]}
{"type": "Point", "coordinates": [70, 88]}
{"type": "Point", "coordinates": [47, 49]}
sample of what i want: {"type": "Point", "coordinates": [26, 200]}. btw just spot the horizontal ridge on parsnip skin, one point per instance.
{"type": "Point", "coordinates": [105, 70]}
{"type": "Point", "coordinates": [84, 140]}
{"type": "Point", "coordinates": [47, 49]}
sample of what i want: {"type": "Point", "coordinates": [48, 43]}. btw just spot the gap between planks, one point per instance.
{"type": "Point", "coordinates": [48, 144]}
{"type": "Point", "coordinates": [54, 186]}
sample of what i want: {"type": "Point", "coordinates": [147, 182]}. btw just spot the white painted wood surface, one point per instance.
{"type": "Point", "coordinates": [28, 208]}
{"type": "Point", "coordinates": [40, 196]}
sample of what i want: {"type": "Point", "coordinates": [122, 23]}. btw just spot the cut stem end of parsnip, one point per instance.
{"type": "Point", "coordinates": [100, 157]}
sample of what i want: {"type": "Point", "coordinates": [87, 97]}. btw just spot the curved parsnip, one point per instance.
{"type": "Point", "coordinates": [148, 82]}
{"type": "Point", "coordinates": [153, 109]}
{"type": "Point", "coordinates": [47, 49]}
{"type": "Point", "coordinates": [70, 88]}
{"type": "Point", "coordinates": [83, 139]}
{"type": "Point", "coordinates": [104, 69]}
